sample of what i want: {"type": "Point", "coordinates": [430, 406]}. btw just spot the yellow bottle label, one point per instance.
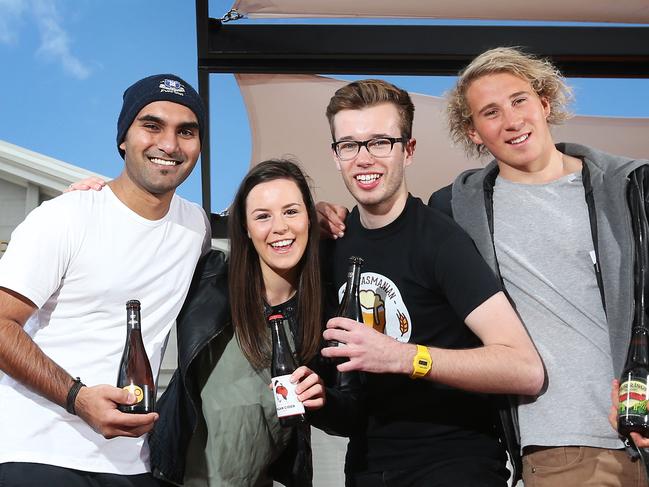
{"type": "Point", "coordinates": [136, 391]}
{"type": "Point", "coordinates": [633, 398]}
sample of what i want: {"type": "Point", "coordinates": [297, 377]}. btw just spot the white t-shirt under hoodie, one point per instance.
{"type": "Point", "coordinates": [79, 258]}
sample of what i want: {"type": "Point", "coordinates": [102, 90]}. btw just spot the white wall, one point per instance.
{"type": "Point", "coordinates": [12, 208]}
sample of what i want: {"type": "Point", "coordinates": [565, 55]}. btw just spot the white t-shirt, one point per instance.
{"type": "Point", "coordinates": [79, 258]}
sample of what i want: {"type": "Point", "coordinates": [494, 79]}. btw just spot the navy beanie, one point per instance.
{"type": "Point", "coordinates": [159, 87]}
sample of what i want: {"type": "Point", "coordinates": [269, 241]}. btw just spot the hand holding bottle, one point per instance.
{"type": "Point", "coordinates": [135, 375]}
{"type": "Point", "coordinates": [310, 388]}
{"type": "Point", "coordinates": [97, 406]}
{"type": "Point", "coordinates": [366, 349]}
{"type": "Point", "coordinates": [290, 409]}
{"type": "Point", "coordinates": [633, 393]}
{"type": "Point", "coordinates": [639, 440]}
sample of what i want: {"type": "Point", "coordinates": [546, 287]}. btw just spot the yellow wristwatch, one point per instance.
{"type": "Point", "coordinates": [422, 363]}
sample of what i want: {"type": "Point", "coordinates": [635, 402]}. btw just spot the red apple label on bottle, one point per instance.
{"type": "Point", "coordinates": [286, 400]}
{"type": "Point", "coordinates": [633, 398]}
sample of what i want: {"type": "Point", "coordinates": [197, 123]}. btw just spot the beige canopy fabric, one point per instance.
{"type": "Point", "coordinates": [287, 119]}
{"type": "Point", "coordinates": [624, 11]}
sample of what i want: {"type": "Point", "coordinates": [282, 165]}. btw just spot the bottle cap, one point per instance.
{"type": "Point", "coordinates": [132, 303]}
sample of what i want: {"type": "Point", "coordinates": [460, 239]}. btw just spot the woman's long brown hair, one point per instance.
{"type": "Point", "coordinates": [245, 279]}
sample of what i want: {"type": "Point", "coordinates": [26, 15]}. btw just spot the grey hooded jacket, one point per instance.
{"type": "Point", "coordinates": [469, 200]}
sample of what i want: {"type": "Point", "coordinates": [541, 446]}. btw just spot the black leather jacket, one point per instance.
{"type": "Point", "coordinates": [204, 316]}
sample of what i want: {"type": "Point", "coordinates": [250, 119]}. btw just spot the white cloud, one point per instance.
{"type": "Point", "coordinates": [11, 12]}
{"type": "Point", "coordinates": [55, 46]}
{"type": "Point", "coordinates": [55, 43]}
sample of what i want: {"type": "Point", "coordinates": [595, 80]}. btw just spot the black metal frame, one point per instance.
{"type": "Point", "coordinates": [402, 49]}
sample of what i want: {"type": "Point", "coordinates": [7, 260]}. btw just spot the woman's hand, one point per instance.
{"type": "Point", "coordinates": [310, 388]}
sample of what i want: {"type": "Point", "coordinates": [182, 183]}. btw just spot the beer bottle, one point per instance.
{"type": "Point", "coordinates": [632, 408]}
{"type": "Point", "coordinates": [350, 306]}
{"type": "Point", "coordinates": [134, 369]}
{"type": "Point", "coordinates": [633, 395]}
{"type": "Point", "coordinates": [290, 409]}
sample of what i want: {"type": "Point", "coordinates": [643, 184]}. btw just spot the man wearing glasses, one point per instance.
{"type": "Point", "coordinates": [434, 310]}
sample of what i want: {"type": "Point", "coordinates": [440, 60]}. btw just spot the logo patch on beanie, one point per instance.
{"type": "Point", "coordinates": [172, 86]}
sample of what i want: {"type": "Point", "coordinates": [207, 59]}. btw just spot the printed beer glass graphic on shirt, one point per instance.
{"type": "Point", "coordinates": [382, 306]}
{"type": "Point", "coordinates": [373, 309]}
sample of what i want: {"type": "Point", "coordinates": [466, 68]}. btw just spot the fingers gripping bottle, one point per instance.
{"type": "Point", "coordinates": [290, 409]}
{"type": "Point", "coordinates": [134, 369]}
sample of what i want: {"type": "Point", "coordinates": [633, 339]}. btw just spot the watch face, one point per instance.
{"type": "Point", "coordinates": [423, 362]}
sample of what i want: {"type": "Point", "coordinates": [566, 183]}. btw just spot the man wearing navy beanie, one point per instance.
{"type": "Point", "coordinates": [161, 87]}
{"type": "Point", "coordinates": [62, 321]}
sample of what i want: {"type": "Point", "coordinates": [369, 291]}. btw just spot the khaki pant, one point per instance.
{"type": "Point", "coordinates": [579, 466]}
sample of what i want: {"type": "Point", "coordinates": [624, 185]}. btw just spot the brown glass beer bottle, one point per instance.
{"type": "Point", "coordinates": [134, 369]}
{"type": "Point", "coordinates": [290, 409]}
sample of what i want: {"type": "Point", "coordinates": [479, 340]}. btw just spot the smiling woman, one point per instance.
{"type": "Point", "coordinates": [278, 226]}
{"type": "Point", "coordinates": [274, 240]}
{"type": "Point", "coordinates": [233, 436]}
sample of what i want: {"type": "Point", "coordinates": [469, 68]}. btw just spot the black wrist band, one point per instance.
{"type": "Point", "coordinates": [72, 395]}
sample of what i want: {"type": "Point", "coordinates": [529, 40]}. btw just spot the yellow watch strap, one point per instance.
{"type": "Point", "coordinates": [422, 362]}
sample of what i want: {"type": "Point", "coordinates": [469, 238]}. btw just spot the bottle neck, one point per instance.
{"type": "Point", "coordinates": [353, 279]}
{"type": "Point", "coordinates": [280, 341]}
{"type": "Point", "coordinates": [639, 346]}
{"type": "Point", "coordinates": [282, 353]}
{"type": "Point", "coordinates": [133, 320]}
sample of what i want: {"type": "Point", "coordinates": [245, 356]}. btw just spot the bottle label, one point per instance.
{"type": "Point", "coordinates": [286, 399]}
{"type": "Point", "coordinates": [633, 398]}
{"type": "Point", "coordinates": [136, 391]}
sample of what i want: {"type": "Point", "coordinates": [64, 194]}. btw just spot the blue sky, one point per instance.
{"type": "Point", "coordinates": [66, 63]}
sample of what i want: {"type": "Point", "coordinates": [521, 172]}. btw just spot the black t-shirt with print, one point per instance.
{"type": "Point", "coordinates": [421, 277]}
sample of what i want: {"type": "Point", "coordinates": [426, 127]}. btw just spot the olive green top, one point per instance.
{"type": "Point", "coordinates": [239, 413]}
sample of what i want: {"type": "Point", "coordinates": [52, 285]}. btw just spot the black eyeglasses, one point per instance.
{"type": "Point", "coordinates": [378, 147]}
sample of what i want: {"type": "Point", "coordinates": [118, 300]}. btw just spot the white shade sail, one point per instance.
{"type": "Point", "coordinates": [623, 11]}
{"type": "Point", "coordinates": [287, 118]}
